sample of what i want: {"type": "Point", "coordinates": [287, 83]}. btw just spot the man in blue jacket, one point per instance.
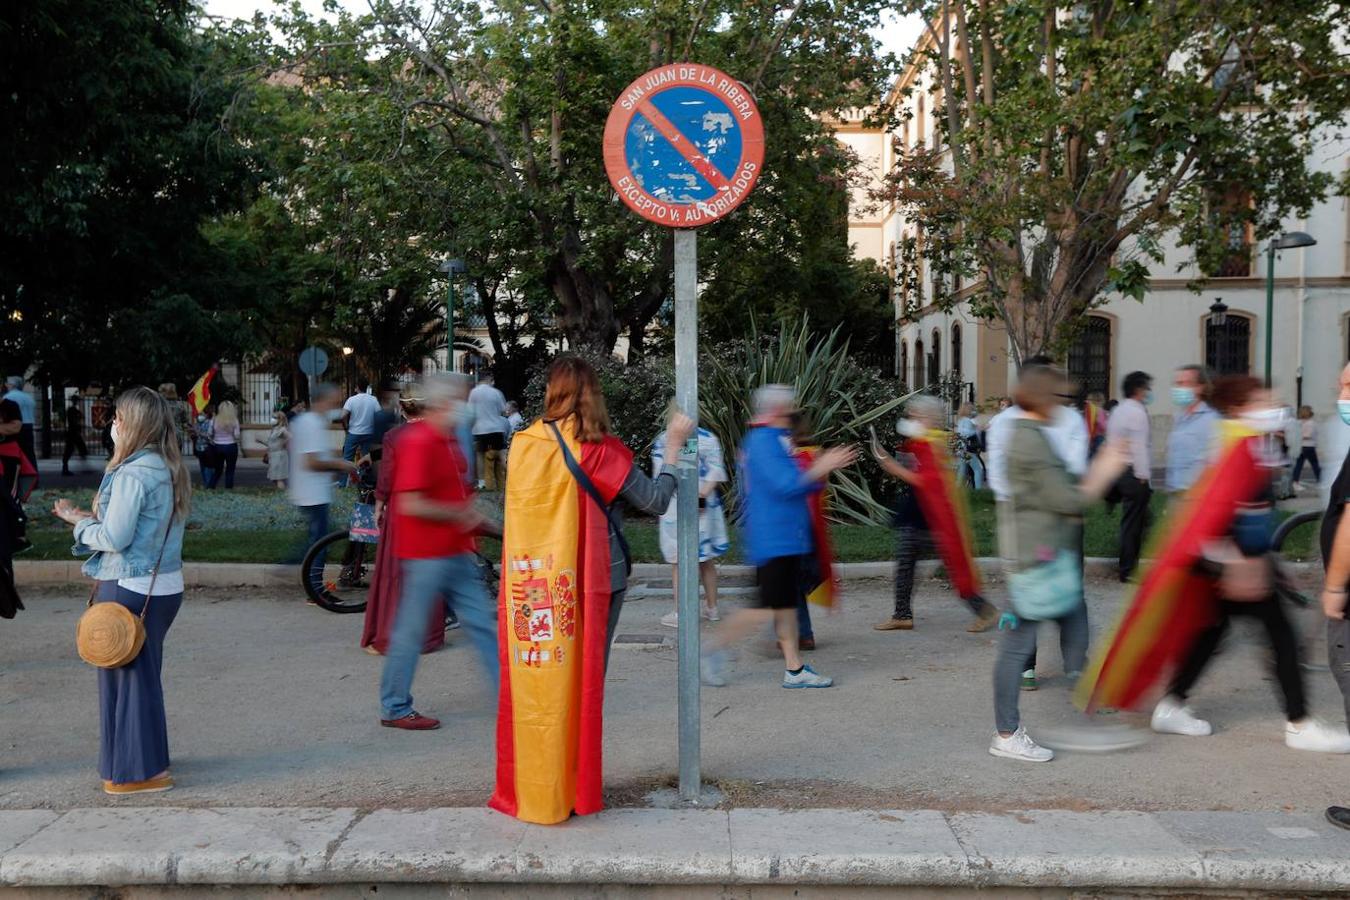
{"type": "Point", "coordinates": [777, 527]}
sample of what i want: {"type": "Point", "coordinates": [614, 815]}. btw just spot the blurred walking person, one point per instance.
{"type": "Point", "coordinates": [1129, 426]}
{"type": "Point", "coordinates": [27, 413]}
{"type": "Point", "coordinates": [224, 445]}
{"type": "Point", "coordinates": [1307, 432]}
{"type": "Point", "coordinates": [1044, 521]}
{"type": "Point", "coordinates": [434, 524]}
{"type": "Point", "coordinates": [489, 433]}
{"type": "Point", "coordinates": [1068, 434]}
{"type": "Point", "coordinates": [134, 535]}
{"type": "Point", "coordinates": [930, 513]}
{"type": "Point", "coordinates": [1215, 562]}
{"type": "Point", "coordinates": [313, 465]}
{"type": "Point", "coordinates": [713, 541]}
{"type": "Point", "coordinates": [778, 534]}
{"type": "Point", "coordinates": [386, 586]}
{"type": "Point", "coordinates": [565, 566]}
{"type": "Point", "coordinates": [74, 436]}
{"type": "Point", "coordinates": [1335, 541]}
{"type": "Point", "coordinates": [1195, 429]}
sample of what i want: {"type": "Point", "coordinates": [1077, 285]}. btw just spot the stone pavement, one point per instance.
{"type": "Point", "coordinates": [285, 776]}
{"type": "Point", "coordinates": [1124, 851]}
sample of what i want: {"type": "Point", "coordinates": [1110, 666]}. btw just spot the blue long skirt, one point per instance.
{"type": "Point", "coordinates": [134, 736]}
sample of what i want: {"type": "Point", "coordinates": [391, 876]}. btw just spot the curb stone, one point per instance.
{"type": "Point", "coordinates": [1276, 852]}
{"type": "Point", "coordinates": [34, 573]}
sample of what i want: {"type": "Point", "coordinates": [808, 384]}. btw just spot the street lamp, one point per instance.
{"type": "Point", "coordinates": [1218, 313]}
{"type": "Point", "coordinates": [452, 266]}
{"type": "Point", "coordinates": [1290, 240]}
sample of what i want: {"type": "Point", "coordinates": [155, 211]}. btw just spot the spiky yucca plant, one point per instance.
{"type": "Point", "coordinates": [841, 399]}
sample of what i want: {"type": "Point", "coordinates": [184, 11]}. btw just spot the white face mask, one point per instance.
{"type": "Point", "coordinates": [112, 433]}
{"type": "Point", "coordinates": [1267, 421]}
{"type": "Point", "coordinates": [910, 428]}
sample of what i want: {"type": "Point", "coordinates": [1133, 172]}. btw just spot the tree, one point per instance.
{"type": "Point", "coordinates": [111, 159]}
{"type": "Point", "coordinates": [515, 95]}
{"type": "Point", "coordinates": [1082, 133]}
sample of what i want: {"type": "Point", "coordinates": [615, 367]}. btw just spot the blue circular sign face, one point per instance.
{"type": "Point", "coordinates": [684, 145]}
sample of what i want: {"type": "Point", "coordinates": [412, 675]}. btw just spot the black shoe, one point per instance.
{"type": "Point", "coordinates": [1339, 816]}
{"type": "Point", "coordinates": [67, 472]}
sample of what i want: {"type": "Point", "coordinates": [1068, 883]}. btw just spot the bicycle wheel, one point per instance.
{"type": "Point", "coordinates": [337, 572]}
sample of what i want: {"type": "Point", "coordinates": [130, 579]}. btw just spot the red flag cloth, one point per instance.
{"type": "Point", "coordinates": [553, 615]}
{"type": "Point", "coordinates": [18, 466]}
{"type": "Point", "coordinates": [200, 395]}
{"type": "Point", "coordinates": [824, 592]}
{"type": "Point", "coordinates": [1174, 604]}
{"type": "Point", "coordinates": [944, 509]}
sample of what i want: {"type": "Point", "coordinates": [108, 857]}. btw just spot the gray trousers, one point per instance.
{"type": "Point", "coordinates": [1015, 651]}
{"type": "Point", "coordinates": [1338, 656]}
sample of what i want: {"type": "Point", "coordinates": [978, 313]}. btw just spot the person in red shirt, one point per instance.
{"type": "Point", "coordinates": [434, 522]}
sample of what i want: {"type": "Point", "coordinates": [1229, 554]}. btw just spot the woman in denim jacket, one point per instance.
{"type": "Point", "coordinates": [135, 536]}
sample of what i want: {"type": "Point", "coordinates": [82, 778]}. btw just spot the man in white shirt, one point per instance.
{"type": "Point", "coordinates": [488, 406]}
{"type": "Point", "coordinates": [1068, 437]}
{"type": "Point", "coordinates": [1129, 426]}
{"type": "Point", "coordinates": [358, 417]}
{"type": "Point", "coordinates": [313, 464]}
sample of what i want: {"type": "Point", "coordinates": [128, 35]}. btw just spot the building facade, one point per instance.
{"type": "Point", "coordinates": [1223, 326]}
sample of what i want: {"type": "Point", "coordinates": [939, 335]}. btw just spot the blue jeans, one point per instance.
{"type": "Point", "coordinates": [425, 581]}
{"type": "Point", "coordinates": [1017, 652]}
{"type": "Point", "coordinates": [356, 442]}
{"type": "Point", "coordinates": [316, 526]}
{"type": "Point", "coordinates": [227, 455]}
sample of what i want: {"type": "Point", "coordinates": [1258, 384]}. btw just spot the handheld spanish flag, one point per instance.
{"type": "Point", "coordinates": [944, 509]}
{"type": "Point", "coordinates": [200, 395]}
{"type": "Point", "coordinates": [1173, 603]}
{"type": "Point", "coordinates": [824, 589]}
{"type": "Point", "coordinates": [553, 614]}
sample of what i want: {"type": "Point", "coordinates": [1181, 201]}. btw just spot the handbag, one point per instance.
{"type": "Point", "coordinates": [109, 635]}
{"type": "Point", "coordinates": [589, 487]}
{"type": "Point", "coordinates": [1048, 590]}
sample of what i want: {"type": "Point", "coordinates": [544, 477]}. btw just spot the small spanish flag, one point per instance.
{"type": "Point", "coordinates": [200, 395]}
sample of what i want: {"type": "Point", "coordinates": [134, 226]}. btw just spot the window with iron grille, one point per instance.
{"type": "Point", "coordinates": [1090, 356]}
{"type": "Point", "coordinates": [956, 349]}
{"type": "Point", "coordinates": [1228, 345]}
{"type": "Point", "coordinates": [935, 359]}
{"type": "Point", "coordinates": [919, 370]}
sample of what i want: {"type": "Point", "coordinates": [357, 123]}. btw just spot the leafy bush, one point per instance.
{"type": "Point", "coordinates": [637, 396]}
{"type": "Point", "coordinates": [840, 397]}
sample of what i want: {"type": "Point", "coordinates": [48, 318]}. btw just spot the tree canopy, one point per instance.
{"type": "Point", "coordinates": [1081, 134]}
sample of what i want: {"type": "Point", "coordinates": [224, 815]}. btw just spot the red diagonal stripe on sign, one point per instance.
{"type": "Point", "coordinates": [683, 146]}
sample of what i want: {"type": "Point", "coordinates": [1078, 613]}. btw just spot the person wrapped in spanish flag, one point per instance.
{"type": "Point", "coordinates": [1213, 562]}
{"type": "Point", "coordinates": [931, 511]}
{"type": "Point", "coordinates": [565, 567]}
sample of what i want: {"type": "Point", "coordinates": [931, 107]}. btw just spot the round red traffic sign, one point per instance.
{"type": "Point", "coordinates": [684, 145]}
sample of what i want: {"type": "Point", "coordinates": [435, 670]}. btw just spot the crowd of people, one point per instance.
{"type": "Point", "coordinates": [543, 644]}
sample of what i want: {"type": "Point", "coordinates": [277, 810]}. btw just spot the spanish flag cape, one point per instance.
{"type": "Point", "coordinates": [1173, 603]}
{"type": "Point", "coordinates": [944, 509]}
{"type": "Point", "coordinates": [826, 591]}
{"type": "Point", "coordinates": [552, 614]}
{"type": "Point", "coordinates": [1095, 421]}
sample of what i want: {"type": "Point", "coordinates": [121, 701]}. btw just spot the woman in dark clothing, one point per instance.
{"type": "Point", "coordinates": [1246, 577]}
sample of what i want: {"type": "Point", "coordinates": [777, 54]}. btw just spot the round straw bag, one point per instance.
{"type": "Point", "coordinates": [109, 635]}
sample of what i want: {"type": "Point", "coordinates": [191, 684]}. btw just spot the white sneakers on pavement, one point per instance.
{"type": "Point", "coordinates": [1316, 735]}
{"type": "Point", "coordinates": [672, 618]}
{"type": "Point", "coordinates": [1019, 745]}
{"type": "Point", "coordinates": [1171, 716]}
{"type": "Point", "coordinates": [806, 678]}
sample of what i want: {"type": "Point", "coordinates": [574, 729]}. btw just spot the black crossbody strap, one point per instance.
{"type": "Point", "coordinates": [589, 487]}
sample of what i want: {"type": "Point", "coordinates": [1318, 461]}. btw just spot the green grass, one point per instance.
{"type": "Point", "coordinates": [268, 543]}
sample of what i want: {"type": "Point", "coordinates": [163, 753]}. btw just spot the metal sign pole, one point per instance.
{"type": "Point", "coordinates": [686, 396]}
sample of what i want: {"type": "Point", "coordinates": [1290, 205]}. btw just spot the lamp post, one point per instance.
{"type": "Point", "coordinates": [451, 267]}
{"type": "Point", "coordinates": [1288, 241]}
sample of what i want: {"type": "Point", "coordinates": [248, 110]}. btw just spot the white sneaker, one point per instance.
{"type": "Point", "coordinates": [1316, 735]}
{"type": "Point", "coordinates": [711, 614]}
{"type": "Point", "coordinates": [671, 619]}
{"type": "Point", "coordinates": [1173, 717]}
{"type": "Point", "coordinates": [1019, 745]}
{"type": "Point", "coordinates": [806, 678]}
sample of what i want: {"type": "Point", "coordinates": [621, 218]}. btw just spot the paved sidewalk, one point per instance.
{"type": "Point", "coordinates": [1285, 854]}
